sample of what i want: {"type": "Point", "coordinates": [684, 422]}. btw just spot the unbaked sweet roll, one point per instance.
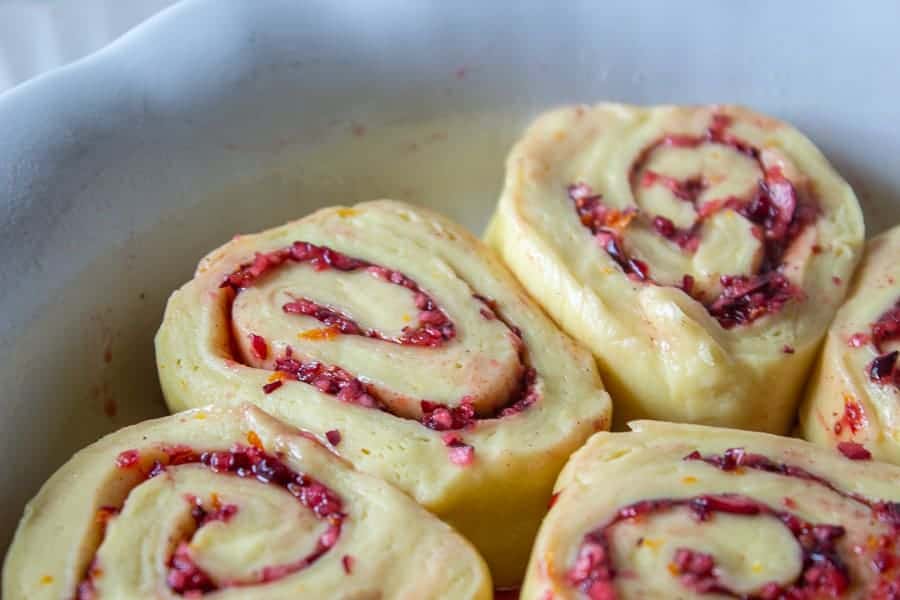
{"type": "Point", "coordinates": [216, 503]}
{"type": "Point", "coordinates": [403, 342]}
{"type": "Point", "coordinates": [687, 511]}
{"type": "Point", "coordinates": [700, 253]}
{"type": "Point", "coordinates": [853, 399]}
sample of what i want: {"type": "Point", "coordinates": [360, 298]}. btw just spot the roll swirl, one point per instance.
{"type": "Point", "coordinates": [694, 250]}
{"type": "Point", "coordinates": [230, 503]}
{"type": "Point", "coordinates": [394, 334]}
{"type": "Point", "coordinates": [683, 511]}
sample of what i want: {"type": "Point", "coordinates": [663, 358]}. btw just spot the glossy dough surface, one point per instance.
{"type": "Point", "coordinates": [845, 402]}
{"type": "Point", "coordinates": [413, 309]}
{"type": "Point", "coordinates": [700, 253]}
{"type": "Point", "coordinates": [105, 514]}
{"type": "Point", "coordinates": [717, 513]}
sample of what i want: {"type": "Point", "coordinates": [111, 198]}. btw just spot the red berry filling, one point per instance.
{"type": "Point", "coordinates": [259, 346]}
{"type": "Point", "coordinates": [184, 576]}
{"type": "Point", "coordinates": [774, 209]}
{"type": "Point", "coordinates": [434, 328]}
{"type": "Point", "coordinates": [853, 419]}
{"type": "Point", "coordinates": [127, 459]}
{"type": "Point", "coordinates": [823, 574]}
{"type": "Point", "coordinates": [333, 436]}
{"type": "Point", "coordinates": [347, 563]}
{"type": "Point", "coordinates": [886, 329]}
{"type": "Point", "coordinates": [854, 451]}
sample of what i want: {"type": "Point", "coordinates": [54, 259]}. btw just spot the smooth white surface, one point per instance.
{"type": "Point", "coordinates": [39, 35]}
{"type": "Point", "coordinates": [221, 116]}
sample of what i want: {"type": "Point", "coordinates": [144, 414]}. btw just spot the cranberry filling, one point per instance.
{"type": "Point", "coordinates": [823, 573]}
{"type": "Point", "coordinates": [886, 329]}
{"type": "Point", "coordinates": [854, 451]}
{"type": "Point", "coordinates": [434, 329]}
{"type": "Point", "coordinates": [854, 419]}
{"type": "Point", "coordinates": [775, 210]}
{"type": "Point", "coordinates": [745, 299]}
{"type": "Point", "coordinates": [184, 576]}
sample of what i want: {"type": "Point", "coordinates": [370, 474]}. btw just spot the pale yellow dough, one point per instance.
{"type": "Point", "coordinates": [398, 549]}
{"type": "Point", "coordinates": [661, 354]}
{"type": "Point", "coordinates": [614, 470]}
{"type": "Point", "coordinates": [841, 377]}
{"type": "Point", "coordinates": [499, 499]}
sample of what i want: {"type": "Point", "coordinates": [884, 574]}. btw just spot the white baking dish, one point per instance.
{"type": "Point", "coordinates": [223, 116]}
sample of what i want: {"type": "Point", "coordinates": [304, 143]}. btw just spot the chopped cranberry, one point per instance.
{"type": "Point", "coordinates": [853, 418]}
{"type": "Point", "coordinates": [553, 499]}
{"type": "Point", "coordinates": [775, 210]}
{"type": "Point", "coordinates": [347, 563]}
{"type": "Point", "coordinates": [744, 299]}
{"type": "Point", "coordinates": [272, 386]}
{"type": "Point", "coordinates": [127, 459]}
{"type": "Point", "coordinates": [333, 436]}
{"type": "Point", "coordinates": [787, 349]}
{"type": "Point", "coordinates": [664, 227]}
{"type": "Point", "coordinates": [259, 346]}
{"type": "Point", "coordinates": [857, 340]}
{"type": "Point", "coordinates": [462, 455]}
{"type": "Point", "coordinates": [688, 190]}
{"type": "Point", "coordinates": [184, 576]}
{"type": "Point", "coordinates": [854, 451]}
{"type": "Point", "coordinates": [441, 417]}
{"type": "Point", "coordinates": [887, 327]}
{"type": "Point", "coordinates": [882, 368]}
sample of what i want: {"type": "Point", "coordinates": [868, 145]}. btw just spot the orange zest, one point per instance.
{"type": "Point", "coordinates": [253, 440]}
{"type": "Point", "coordinates": [322, 334]}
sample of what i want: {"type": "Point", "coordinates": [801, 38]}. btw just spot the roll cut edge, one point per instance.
{"type": "Point", "coordinates": [230, 503]}
{"type": "Point", "coordinates": [401, 341]}
{"type": "Point", "coordinates": [691, 511]}
{"type": "Point", "coordinates": [853, 398]}
{"type": "Point", "coordinates": [699, 252]}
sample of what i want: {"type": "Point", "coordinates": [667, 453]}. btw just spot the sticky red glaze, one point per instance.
{"type": "Point", "coordinates": [184, 577]}
{"type": "Point", "coordinates": [434, 328]}
{"type": "Point", "coordinates": [823, 573]}
{"type": "Point", "coordinates": [854, 451]}
{"type": "Point", "coordinates": [775, 210]}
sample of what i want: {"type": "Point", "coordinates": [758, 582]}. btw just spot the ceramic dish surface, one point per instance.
{"type": "Point", "coordinates": [119, 172]}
